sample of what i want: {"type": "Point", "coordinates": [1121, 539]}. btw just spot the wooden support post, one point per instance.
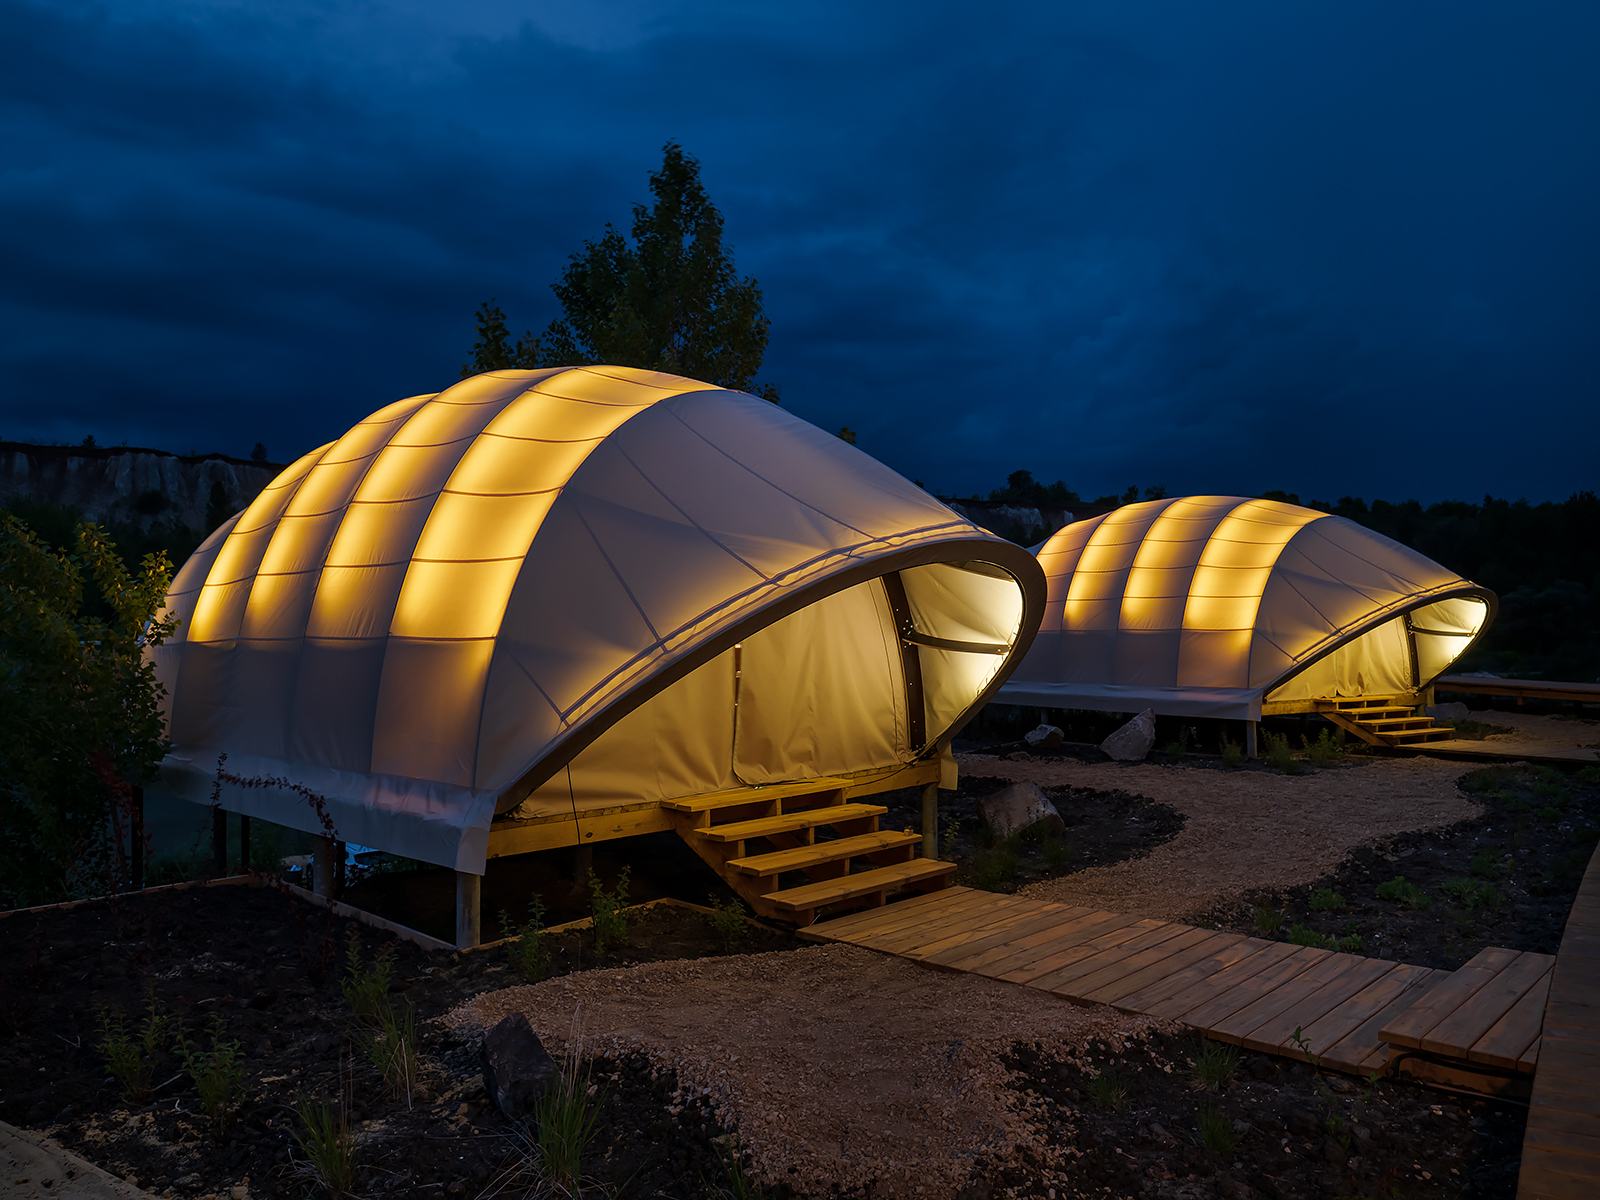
{"type": "Point", "coordinates": [469, 900]}
{"type": "Point", "coordinates": [322, 867]}
{"type": "Point", "coordinates": [930, 821]}
{"type": "Point", "coordinates": [244, 843]}
{"type": "Point", "coordinates": [1250, 739]}
{"type": "Point", "coordinates": [219, 841]}
{"type": "Point", "coordinates": [136, 839]}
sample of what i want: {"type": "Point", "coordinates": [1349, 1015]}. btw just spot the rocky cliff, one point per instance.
{"type": "Point", "coordinates": [131, 486]}
{"type": "Point", "coordinates": [1026, 524]}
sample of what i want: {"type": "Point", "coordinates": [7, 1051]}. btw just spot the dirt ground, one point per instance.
{"type": "Point", "coordinates": [839, 1066]}
{"type": "Point", "coordinates": [1246, 829]}
{"type": "Point", "coordinates": [1536, 731]}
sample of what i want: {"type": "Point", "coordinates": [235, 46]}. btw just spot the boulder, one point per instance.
{"type": "Point", "coordinates": [1046, 737]}
{"type": "Point", "coordinates": [517, 1069]}
{"type": "Point", "coordinates": [1449, 712]}
{"type": "Point", "coordinates": [1133, 741]}
{"type": "Point", "coordinates": [1016, 807]}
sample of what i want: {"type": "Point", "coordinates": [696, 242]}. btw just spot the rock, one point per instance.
{"type": "Point", "coordinates": [1333, 1152]}
{"type": "Point", "coordinates": [1014, 808]}
{"type": "Point", "coordinates": [1449, 712]}
{"type": "Point", "coordinates": [1133, 741]}
{"type": "Point", "coordinates": [516, 1067]}
{"type": "Point", "coordinates": [1046, 737]}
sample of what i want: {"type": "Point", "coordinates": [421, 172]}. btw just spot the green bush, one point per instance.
{"type": "Point", "coordinates": [608, 911]}
{"type": "Point", "coordinates": [1279, 755]}
{"type": "Point", "coordinates": [1216, 1130]}
{"type": "Point", "coordinates": [728, 920]}
{"type": "Point", "coordinates": [526, 946]}
{"type": "Point", "coordinates": [1351, 943]}
{"type": "Point", "coordinates": [1301, 935]}
{"type": "Point", "coordinates": [131, 1057]}
{"type": "Point", "coordinates": [1486, 864]}
{"type": "Point", "coordinates": [1325, 751]}
{"type": "Point", "coordinates": [1232, 753]}
{"type": "Point", "coordinates": [1269, 920]}
{"type": "Point", "coordinates": [218, 1074]}
{"type": "Point", "coordinates": [1326, 900]}
{"type": "Point", "coordinates": [1401, 890]}
{"type": "Point", "coordinates": [1215, 1064]}
{"type": "Point", "coordinates": [1590, 775]}
{"type": "Point", "coordinates": [84, 723]}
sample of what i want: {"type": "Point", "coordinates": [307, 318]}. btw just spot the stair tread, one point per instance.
{"type": "Point", "coordinates": [848, 887]}
{"type": "Point", "coordinates": [734, 797]}
{"type": "Point", "coordinates": [804, 856]}
{"type": "Point", "coordinates": [738, 831]}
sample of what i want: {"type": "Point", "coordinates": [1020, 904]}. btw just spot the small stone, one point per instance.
{"type": "Point", "coordinates": [1014, 808]}
{"type": "Point", "coordinates": [1045, 737]}
{"type": "Point", "coordinates": [1133, 741]}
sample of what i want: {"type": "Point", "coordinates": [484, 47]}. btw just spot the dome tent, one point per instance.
{"type": "Point", "coordinates": [540, 595]}
{"type": "Point", "coordinates": [1221, 606]}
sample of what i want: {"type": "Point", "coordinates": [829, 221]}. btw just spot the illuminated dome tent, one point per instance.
{"type": "Point", "coordinates": [1219, 606]}
{"type": "Point", "coordinates": [544, 608]}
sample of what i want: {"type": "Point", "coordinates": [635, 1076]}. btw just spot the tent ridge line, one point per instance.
{"type": "Point", "coordinates": [679, 509]}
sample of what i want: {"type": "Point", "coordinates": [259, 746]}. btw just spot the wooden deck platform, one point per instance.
{"type": "Point", "coordinates": [1358, 1015]}
{"type": "Point", "coordinates": [1561, 1148]}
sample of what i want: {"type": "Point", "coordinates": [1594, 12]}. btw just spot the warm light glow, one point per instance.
{"type": "Point", "coordinates": [1237, 562]}
{"type": "Point", "coordinates": [1094, 599]}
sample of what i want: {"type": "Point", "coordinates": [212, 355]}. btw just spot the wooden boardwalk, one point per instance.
{"type": "Point", "coordinates": [1561, 1149]}
{"type": "Point", "coordinates": [1356, 1014]}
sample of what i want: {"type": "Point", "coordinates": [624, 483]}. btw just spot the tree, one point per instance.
{"type": "Point", "coordinates": [669, 301]}
{"type": "Point", "coordinates": [80, 719]}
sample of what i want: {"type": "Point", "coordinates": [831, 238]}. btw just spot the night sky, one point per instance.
{"type": "Point", "coordinates": [1324, 247]}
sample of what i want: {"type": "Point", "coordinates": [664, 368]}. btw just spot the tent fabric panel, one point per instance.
{"type": "Point", "coordinates": [1094, 596]}
{"type": "Point", "coordinates": [821, 692]}
{"type": "Point", "coordinates": [677, 743]}
{"type": "Point", "coordinates": [1377, 663]}
{"type": "Point", "coordinates": [1443, 631]}
{"type": "Point", "coordinates": [428, 821]}
{"type": "Point", "coordinates": [178, 606]}
{"type": "Point", "coordinates": [355, 602]}
{"type": "Point", "coordinates": [425, 724]}
{"type": "Point", "coordinates": [1146, 658]}
{"type": "Point", "coordinates": [959, 605]}
{"type": "Point", "coordinates": [335, 697]}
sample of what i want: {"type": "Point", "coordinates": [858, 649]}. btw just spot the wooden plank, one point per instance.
{"type": "Point", "coordinates": [1363, 1049]}
{"type": "Point", "coordinates": [918, 933]}
{"type": "Point", "coordinates": [978, 914]}
{"type": "Point", "coordinates": [864, 883]}
{"type": "Point", "coordinates": [1036, 948]}
{"type": "Point", "coordinates": [1227, 1001]}
{"type": "Point", "coordinates": [549, 833]}
{"type": "Point", "coordinates": [1286, 997]}
{"type": "Point", "coordinates": [1273, 1033]}
{"type": "Point", "coordinates": [908, 909]}
{"type": "Point", "coordinates": [1455, 1035]}
{"type": "Point", "coordinates": [1111, 933]}
{"type": "Point", "coordinates": [1529, 1061]}
{"type": "Point", "coordinates": [1128, 959]}
{"type": "Point", "coordinates": [1165, 968]}
{"type": "Point", "coordinates": [1550, 1175]}
{"type": "Point", "coordinates": [998, 944]}
{"type": "Point", "coordinates": [1191, 987]}
{"type": "Point", "coordinates": [1193, 975]}
{"type": "Point", "coordinates": [1509, 1038]}
{"type": "Point", "coordinates": [780, 861]}
{"type": "Point", "coordinates": [1127, 975]}
{"type": "Point", "coordinates": [738, 831]}
{"type": "Point", "coordinates": [1344, 1018]}
{"type": "Point", "coordinates": [1064, 981]}
{"type": "Point", "coordinates": [734, 797]}
{"type": "Point", "coordinates": [1409, 1028]}
{"type": "Point", "coordinates": [999, 920]}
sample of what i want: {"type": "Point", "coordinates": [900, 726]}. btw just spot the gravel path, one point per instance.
{"type": "Point", "coordinates": [1246, 829]}
{"type": "Point", "coordinates": [838, 1065]}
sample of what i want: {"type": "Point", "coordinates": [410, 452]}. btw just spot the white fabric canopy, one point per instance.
{"type": "Point", "coordinates": [427, 620]}
{"type": "Point", "coordinates": [1207, 605]}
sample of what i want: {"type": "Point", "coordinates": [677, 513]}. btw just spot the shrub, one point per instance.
{"type": "Point", "coordinates": [728, 920]}
{"type": "Point", "coordinates": [1176, 750]}
{"type": "Point", "coordinates": [1279, 754]}
{"type": "Point", "coordinates": [1548, 814]}
{"type": "Point", "coordinates": [1300, 935]}
{"type": "Point", "coordinates": [525, 945]}
{"type": "Point", "coordinates": [1401, 890]}
{"type": "Point", "coordinates": [1590, 775]}
{"type": "Point", "coordinates": [1326, 750]}
{"type": "Point", "coordinates": [1269, 920]}
{"type": "Point", "coordinates": [1056, 853]}
{"type": "Point", "coordinates": [1107, 1090]}
{"type": "Point", "coordinates": [1214, 1066]}
{"type": "Point", "coordinates": [1232, 753]}
{"type": "Point", "coordinates": [217, 1073]}
{"type": "Point", "coordinates": [991, 868]}
{"type": "Point", "coordinates": [366, 988]}
{"type": "Point", "coordinates": [329, 1144]}
{"type": "Point", "coordinates": [1216, 1131]}
{"type": "Point", "coordinates": [1351, 943]}
{"type": "Point", "coordinates": [1326, 900]}
{"type": "Point", "coordinates": [607, 909]}
{"type": "Point", "coordinates": [131, 1057]}
{"type": "Point", "coordinates": [1485, 863]}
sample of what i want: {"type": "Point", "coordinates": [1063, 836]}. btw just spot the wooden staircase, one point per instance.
{"type": "Point", "coordinates": [1380, 721]}
{"type": "Point", "coordinates": [792, 849]}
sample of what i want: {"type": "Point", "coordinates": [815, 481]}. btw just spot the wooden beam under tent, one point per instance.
{"type": "Point", "coordinates": [630, 820]}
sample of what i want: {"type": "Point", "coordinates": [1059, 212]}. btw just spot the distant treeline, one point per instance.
{"type": "Point", "coordinates": [1542, 560]}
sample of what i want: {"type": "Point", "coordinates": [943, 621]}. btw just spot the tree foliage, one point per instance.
{"type": "Point", "coordinates": [669, 300]}
{"type": "Point", "coordinates": [80, 720]}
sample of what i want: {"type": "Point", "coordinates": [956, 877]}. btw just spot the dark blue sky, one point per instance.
{"type": "Point", "coordinates": [1326, 247]}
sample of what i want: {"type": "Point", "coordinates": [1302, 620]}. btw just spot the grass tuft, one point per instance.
{"type": "Point", "coordinates": [365, 988]}
{"type": "Point", "coordinates": [1269, 921]}
{"type": "Point", "coordinates": [330, 1146]}
{"type": "Point", "coordinates": [1279, 755]}
{"type": "Point", "coordinates": [1216, 1131]}
{"type": "Point", "coordinates": [728, 920]}
{"type": "Point", "coordinates": [1401, 890]}
{"type": "Point", "coordinates": [1326, 900]}
{"type": "Point", "coordinates": [1215, 1065]}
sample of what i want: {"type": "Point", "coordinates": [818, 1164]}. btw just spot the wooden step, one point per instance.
{"type": "Point", "coordinates": [802, 857]}
{"type": "Point", "coordinates": [1381, 724]}
{"type": "Point", "coordinates": [865, 883]}
{"type": "Point", "coordinates": [1406, 736]}
{"type": "Point", "coordinates": [738, 831]}
{"type": "Point", "coordinates": [736, 797]}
